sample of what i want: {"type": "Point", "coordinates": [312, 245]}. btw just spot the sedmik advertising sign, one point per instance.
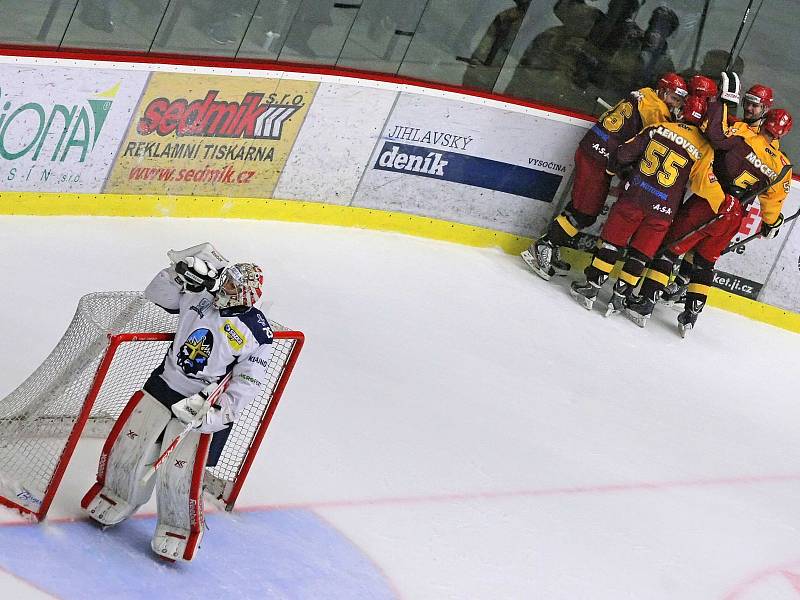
{"type": "Point", "coordinates": [60, 127]}
{"type": "Point", "coordinates": [208, 135]}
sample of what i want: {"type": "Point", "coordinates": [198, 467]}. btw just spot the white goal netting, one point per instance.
{"type": "Point", "coordinates": [113, 343]}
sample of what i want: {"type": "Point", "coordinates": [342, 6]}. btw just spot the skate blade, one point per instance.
{"type": "Point", "coordinates": [635, 317]}
{"type": "Point", "coordinates": [684, 329]}
{"type": "Point", "coordinates": [534, 266]}
{"type": "Point", "coordinates": [585, 302]}
{"type": "Point", "coordinates": [612, 309]}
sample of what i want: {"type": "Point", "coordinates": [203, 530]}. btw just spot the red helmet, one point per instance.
{"type": "Point", "coordinates": [694, 109]}
{"type": "Point", "coordinates": [759, 94]}
{"type": "Point", "coordinates": [700, 85]}
{"type": "Point", "coordinates": [672, 82]}
{"type": "Point", "coordinates": [778, 122]}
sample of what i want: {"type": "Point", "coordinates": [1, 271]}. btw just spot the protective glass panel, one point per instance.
{"type": "Point", "coordinates": [465, 44]}
{"type": "Point", "coordinates": [381, 35]}
{"type": "Point", "coordinates": [204, 27]}
{"type": "Point", "coordinates": [318, 31]}
{"type": "Point", "coordinates": [115, 24]}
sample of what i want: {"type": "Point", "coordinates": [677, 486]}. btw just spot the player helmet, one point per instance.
{"type": "Point", "coordinates": [672, 82]}
{"type": "Point", "coordinates": [241, 285]}
{"type": "Point", "coordinates": [778, 122]}
{"type": "Point", "coordinates": [760, 94]}
{"type": "Point", "coordinates": [700, 85]}
{"type": "Point", "coordinates": [694, 109]}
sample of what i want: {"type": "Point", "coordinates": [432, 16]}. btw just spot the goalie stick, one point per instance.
{"type": "Point", "coordinates": [212, 398]}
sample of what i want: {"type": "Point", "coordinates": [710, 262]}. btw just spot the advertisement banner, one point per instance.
{"type": "Point", "coordinates": [744, 270]}
{"type": "Point", "coordinates": [469, 163]}
{"type": "Point", "coordinates": [333, 147]}
{"type": "Point", "coordinates": [60, 127]}
{"type": "Point", "coordinates": [783, 283]}
{"type": "Point", "coordinates": [209, 135]}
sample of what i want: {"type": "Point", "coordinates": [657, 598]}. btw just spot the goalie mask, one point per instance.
{"type": "Point", "coordinates": [240, 286]}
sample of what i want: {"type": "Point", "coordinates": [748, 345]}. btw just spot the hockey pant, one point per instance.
{"type": "Point", "coordinates": [179, 495]}
{"type": "Point", "coordinates": [131, 447]}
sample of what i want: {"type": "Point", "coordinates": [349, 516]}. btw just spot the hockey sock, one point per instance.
{"type": "Point", "coordinates": [700, 283]}
{"type": "Point", "coordinates": [657, 276]}
{"type": "Point", "coordinates": [633, 268]}
{"type": "Point", "coordinates": [567, 225]}
{"type": "Point", "coordinates": [603, 261]}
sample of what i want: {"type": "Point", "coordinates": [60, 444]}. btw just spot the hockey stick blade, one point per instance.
{"type": "Point", "coordinates": [151, 470]}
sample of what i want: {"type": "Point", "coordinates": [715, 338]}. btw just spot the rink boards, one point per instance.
{"type": "Point", "coordinates": [132, 139]}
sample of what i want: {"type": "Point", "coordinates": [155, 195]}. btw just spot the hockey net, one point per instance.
{"type": "Point", "coordinates": [113, 343]}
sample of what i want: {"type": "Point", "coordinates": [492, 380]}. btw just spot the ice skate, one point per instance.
{"type": "Point", "coordinates": [638, 309]}
{"type": "Point", "coordinates": [617, 302]}
{"type": "Point", "coordinates": [585, 293]}
{"type": "Point", "coordinates": [688, 318]}
{"type": "Point", "coordinates": [674, 293]}
{"type": "Point", "coordinates": [544, 259]}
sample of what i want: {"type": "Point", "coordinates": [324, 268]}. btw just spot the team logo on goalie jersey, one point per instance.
{"type": "Point", "coordinates": [194, 353]}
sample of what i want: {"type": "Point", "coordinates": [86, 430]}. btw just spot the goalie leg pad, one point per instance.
{"type": "Point", "coordinates": [179, 490]}
{"type": "Point", "coordinates": [129, 450]}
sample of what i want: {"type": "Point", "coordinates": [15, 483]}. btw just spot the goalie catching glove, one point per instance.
{"type": "Point", "coordinates": [198, 268]}
{"type": "Point", "coordinates": [198, 411]}
{"type": "Point", "coordinates": [195, 275]}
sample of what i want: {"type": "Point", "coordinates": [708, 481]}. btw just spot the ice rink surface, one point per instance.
{"type": "Point", "coordinates": [455, 428]}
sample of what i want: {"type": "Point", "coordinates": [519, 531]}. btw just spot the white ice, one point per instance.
{"type": "Point", "coordinates": [467, 425]}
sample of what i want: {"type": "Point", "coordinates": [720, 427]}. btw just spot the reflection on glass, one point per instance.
{"type": "Point", "coordinates": [34, 23]}
{"type": "Point", "coordinates": [267, 32]}
{"type": "Point", "coordinates": [319, 31]}
{"type": "Point", "coordinates": [486, 60]}
{"type": "Point", "coordinates": [381, 34]}
{"type": "Point", "coordinates": [115, 24]}
{"type": "Point", "coordinates": [204, 27]}
{"type": "Point", "coordinates": [588, 53]}
{"type": "Point", "coordinates": [448, 35]}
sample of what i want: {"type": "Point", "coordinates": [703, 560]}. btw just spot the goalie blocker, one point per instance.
{"type": "Point", "coordinates": [218, 332]}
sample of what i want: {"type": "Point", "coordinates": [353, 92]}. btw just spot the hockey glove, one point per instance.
{"type": "Point", "coordinates": [192, 410]}
{"type": "Point", "coordinates": [771, 231]}
{"type": "Point", "coordinates": [730, 89]}
{"type": "Point", "coordinates": [195, 275]}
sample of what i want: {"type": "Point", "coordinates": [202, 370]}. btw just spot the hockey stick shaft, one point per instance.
{"type": "Point", "coordinates": [750, 238]}
{"type": "Point", "coordinates": [779, 178]}
{"type": "Point", "coordinates": [212, 398]}
{"type": "Point", "coordinates": [738, 35]}
{"type": "Point", "coordinates": [746, 199]}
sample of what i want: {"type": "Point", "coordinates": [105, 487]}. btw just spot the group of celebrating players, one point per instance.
{"type": "Point", "coordinates": [659, 143]}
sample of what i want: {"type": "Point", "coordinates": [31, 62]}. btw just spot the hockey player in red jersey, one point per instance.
{"type": "Point", "coordinates": [705, 226]}
{"type": "Point", "coordinates": [642, 108]}
{"type": "Point", "coordinates": [219, 331]}
{"type": "Point", "coordinates": [666, 157]}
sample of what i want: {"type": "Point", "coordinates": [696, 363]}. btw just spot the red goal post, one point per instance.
{"type": "Point", "coordinates": [113, 343]}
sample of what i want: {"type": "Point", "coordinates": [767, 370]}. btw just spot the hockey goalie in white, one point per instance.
{"type": "Point", "coordinates": [220, 330]}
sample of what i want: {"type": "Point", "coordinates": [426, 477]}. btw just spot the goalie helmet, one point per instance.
{"type": "Point", "coordinates": [241, 285]}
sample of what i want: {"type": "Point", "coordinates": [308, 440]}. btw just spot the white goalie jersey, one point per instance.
{"type": "Point", "coordinates": [210, 342]}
